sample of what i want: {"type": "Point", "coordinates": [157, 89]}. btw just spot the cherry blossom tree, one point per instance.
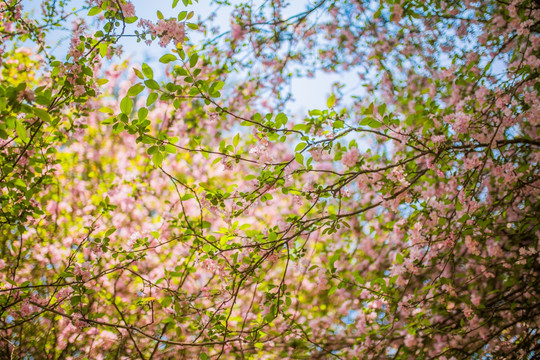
{"type": "Point", "coordinates": [183, 210]}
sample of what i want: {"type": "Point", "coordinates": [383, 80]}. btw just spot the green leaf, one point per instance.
{"type": "Point", "coordinates": [182, 55]}
{"type": "Point", "coordinates": [75, 300]}
{"type": "Point", "coordinates": [103, 49]}
{"type": "Point", "coordinates": [299, 158]}
{"type": "Point", "coordinates": [21, 131]}
{"type": "Point", "coordinates": [147, 70]}
{"type": "Point", "coordinates": [167, 300]}
{"type": "Point", "coordinates": [369, 109]}
{"type": "Point", "coordinates": [193, 60]}
{"type": "Point", "coordinates": [281, 119]}
{"type": "Point", "coordinates": [381, 282]}
{"type": "Point", "coordinates": [203, 356]}
{"type": "Point", "coordinates": [94, 11]}
{"type": "Point", "coordinates": [382, 109]}
{"type": "Point", "coordinates": [174, 3]}
{"type": "Point", "coordinates": [170, 149]}
{"type": "Point", "coordinates": [157, 158]}
{"type": "Point", "coordinates": [399, 258]}
{"type": "Point", "coordinates": [223, 241]}
{"type": "Point", "coordinates": [301, 146]}
{"type": "Point", "coordinates": [131, 19]}
{"type": "Point", "coordinates": [236, 140]}
{"type": "Point", "coordinates": [135, 90]}
{"type": "Point", "coordinates": [118, 128]}
{"type": "Point", "coordinates": [126, 105]}
{"type": "Point", "coordinates": [152, 97]}
{"type": "Point", "coordinates": [139, 74]}
{"type": "Point", "coordinates": [187, 197]}
{"type": "Point", "coordinates": [338, 124]}
{"type": "Point", "coordinates": [371, 122]}
{"type": "Point", "coordinates": [218, 85]}
{"type": "Point", "coordinates": [192, 26]}
{"type": "Point", "coordinates": [152, 149]}
{"type": "Point", "coordinates": [152, 84]}
{"type": "Point", "coordinates": [167, 58]}
{"type": "Point", "coordinates": [142, 113]}
{"type": "Point", "coordinates": [42, 114]}
{"type": "Point", "coordinates": [331, 101]}
{"type": "Point", "coordinates": [19, 183]}
{"type": "Point", "coordinates": [110, 120]}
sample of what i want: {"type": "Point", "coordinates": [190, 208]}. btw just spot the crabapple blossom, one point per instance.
{"type": "Point", "coordinates": [189, 208]}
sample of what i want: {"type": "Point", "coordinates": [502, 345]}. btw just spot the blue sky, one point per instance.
{"type": "Point", "coordinates": [309, 93]}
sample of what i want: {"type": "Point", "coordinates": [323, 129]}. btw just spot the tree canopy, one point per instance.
{"type": "Point", "coordinates": [184, 208]}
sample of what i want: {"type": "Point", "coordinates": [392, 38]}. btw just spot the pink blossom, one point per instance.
{"type": "Point", "coordinates": [78, 322]}
{"type": "Point", "coordinates": [213, 117]}
{"type": "Point", "coordinates": [476, 299]}
{"type": "Point", "coordinates": [316, 153]}
{"type": "Point", "coordinates": [397, 12]}
{"type": "Point", "coordinates": [26, 309]}
{"type": "Point", "coordinates": [63, 293]}
{"type": "Point", "coordinates": [461, 122]}
{"type": "Point", "coordinates": [82, 271]}
{"type": "Point", "coordinates": [410, 341]}
{"type": "Point", "coordinates": [128, 9]}
{"type": "Point", "coordinates": [167, 30]}
{"type": "Point", "coordinates": [350, 158]}
{"type": "Point", "coordinates": [262, 153]}
{"type": "Point", "coordinates": [236, 32]}
{"type": "Point", "coordinates": [438, 139]}
{"type": "Point", "coordinates": [133, 239]}
{"type": "Point", "coordinates": [79, 90]}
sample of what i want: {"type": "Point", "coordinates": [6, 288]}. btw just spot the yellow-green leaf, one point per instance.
{"type": "Point", "coordinates": [331, 101]}
{"type": "Point", "coordinates": [21, 131]}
